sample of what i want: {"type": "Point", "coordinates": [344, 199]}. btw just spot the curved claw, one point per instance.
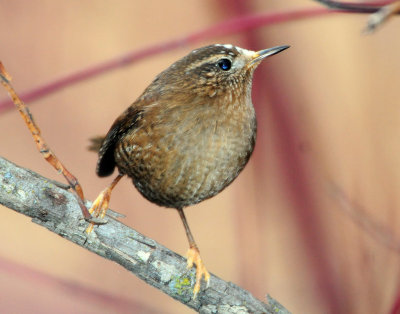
{"type": "Point", "coordinates": [98, 209]}
{"type": "Point", "coordinates": [97, 221]}
{"type": "Point", "coordinates": [193, 257]}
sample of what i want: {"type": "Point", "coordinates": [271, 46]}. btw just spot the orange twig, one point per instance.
{"type": "Point", "coordinates": [41, 145]}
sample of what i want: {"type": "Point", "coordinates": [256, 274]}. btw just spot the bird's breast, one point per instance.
{"type": "Point", "coordinates": [185, 156]}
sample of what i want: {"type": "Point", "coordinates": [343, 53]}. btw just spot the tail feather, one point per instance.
{"type": "Point", "coordinates": [95, 143]}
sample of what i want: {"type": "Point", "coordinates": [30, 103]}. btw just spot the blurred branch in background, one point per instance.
{"type": "Point", "coordinates": [363, 220]}
{"type": "Point", "coordinates": [355, 7]}
{"type": "Point", "coordinates": [382, 15]}
{"type": "Point", "coordinates": [235, 25]}
{"type": "Point", "coordinates": [382, 10]}
{"type": "Point", "coordinates": [231, 26]}
{"type": "Point", "coordinates": [82, 295]}
{"type": "Point", "coordinates": [54, 207]}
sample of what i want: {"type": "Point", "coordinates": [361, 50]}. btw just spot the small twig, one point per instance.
{"type": "Point", "coordinates": [56, 209]}
{"type": "Point", "coordinates": [228, 27]}
{"type": "Point", "coordinates": [378, 18]}
{"type": "Point", "coordinates": [381, 10]}
{"type": "Point", "coordinates": [41, 145]}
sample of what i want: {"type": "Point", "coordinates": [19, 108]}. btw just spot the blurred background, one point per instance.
{"type": "Point", "coordinates": [312, 220]}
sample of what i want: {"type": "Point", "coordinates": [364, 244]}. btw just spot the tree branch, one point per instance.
{"type": "Point", "coordinates": [51, 205]}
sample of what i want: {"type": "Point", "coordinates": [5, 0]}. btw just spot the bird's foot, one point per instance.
{"type": "Point", "coordinates": [99, 207]}
{"type": "Point", "coordinates": [193, 257]}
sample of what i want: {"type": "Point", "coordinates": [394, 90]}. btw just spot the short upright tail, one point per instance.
{"type": "Point", "coordinates": [95, 143]}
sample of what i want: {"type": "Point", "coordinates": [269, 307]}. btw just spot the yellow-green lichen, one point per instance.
{"type": "Point", "coordinates": [182, 285]}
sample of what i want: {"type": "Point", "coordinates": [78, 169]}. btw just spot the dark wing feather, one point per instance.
{"type": "Point", "coordinates": [129, 119]}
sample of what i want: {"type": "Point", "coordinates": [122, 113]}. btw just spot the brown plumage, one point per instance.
{"type": "Point", "coordinates": [190, 133]}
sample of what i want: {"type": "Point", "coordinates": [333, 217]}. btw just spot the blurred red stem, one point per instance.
{"type": "Point", "coordinates": [396, 306]}
{"type": "Point", "coordinates": [43, 281]}
{"type": "Point", "coordinates": [231, 26]}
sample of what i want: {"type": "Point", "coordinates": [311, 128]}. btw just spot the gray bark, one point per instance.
{"type": "Point", "coordinates": [52, 205]}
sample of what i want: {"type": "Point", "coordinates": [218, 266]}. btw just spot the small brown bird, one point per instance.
{"type": "Point", "coordinates": [188, 136]}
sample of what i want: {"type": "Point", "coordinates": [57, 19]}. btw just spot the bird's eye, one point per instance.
{"type": "Point", "coordinates": [225, 64]}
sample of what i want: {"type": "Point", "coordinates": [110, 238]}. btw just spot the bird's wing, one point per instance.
{"type": "Point", "coordinates": [126, 121]}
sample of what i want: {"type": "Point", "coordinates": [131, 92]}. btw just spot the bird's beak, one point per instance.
{"type": "Point", "coordinates": [262, 54]}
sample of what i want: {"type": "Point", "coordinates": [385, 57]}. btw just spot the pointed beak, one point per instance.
{"type": "Point", "coordinates": [262, 54]}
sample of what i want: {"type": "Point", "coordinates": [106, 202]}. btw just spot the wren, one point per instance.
{"type": "Point", "coordinates": [188, 136]}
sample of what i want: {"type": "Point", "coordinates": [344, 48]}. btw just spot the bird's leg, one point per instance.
{"type": "Point", "coordinates": [193, 257]}
{"type": "Point", "coordinates": [100, 205]}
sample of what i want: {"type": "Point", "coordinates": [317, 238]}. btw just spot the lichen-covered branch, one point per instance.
{"type": "Point", "coordinates": [53, 206]}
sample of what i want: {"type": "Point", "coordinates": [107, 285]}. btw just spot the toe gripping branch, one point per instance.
{"type": "Point", "coordinates": [100, 205]}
